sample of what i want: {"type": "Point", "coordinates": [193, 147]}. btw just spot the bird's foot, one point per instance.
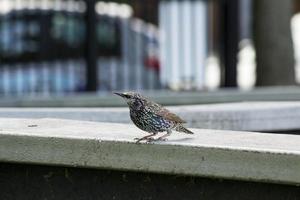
{"type": "Point", "coordinates": [137, 140]}
{"type": "Point", "coordinates": [148, 140]}
{"type": "Point", "coordinates": [161, 139]}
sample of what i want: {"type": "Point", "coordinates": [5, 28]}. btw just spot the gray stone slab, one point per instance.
{"type": "Point", "coordinates": [209, 153]}
{"type": "Point", "coordinates": [165, 97]}
{"type": "Point", "coordinates": [247, 116]}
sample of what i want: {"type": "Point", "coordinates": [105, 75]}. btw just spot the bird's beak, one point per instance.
{"type": "Point", "coordinates": [120, 94]}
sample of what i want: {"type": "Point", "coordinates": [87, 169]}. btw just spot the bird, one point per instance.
{"type": "Point", "coordinates": [152, 117]}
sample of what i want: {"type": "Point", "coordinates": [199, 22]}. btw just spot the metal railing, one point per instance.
{"type": "Point", "coordinates": [43, 48]}
{"type": "Point", "coordinates": [69, 46]}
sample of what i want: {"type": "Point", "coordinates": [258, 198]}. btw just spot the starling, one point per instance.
{"type": "Point", "coordinates": [152, 117]}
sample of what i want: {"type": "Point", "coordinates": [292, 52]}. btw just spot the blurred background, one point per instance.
{"type": "Point", "coordinates": [58, 47]}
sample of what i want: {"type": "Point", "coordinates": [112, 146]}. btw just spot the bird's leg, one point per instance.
{"type": "Point", "coordinates": [164, 137]}
{"type": "Point", "coordinates": [147, 137]}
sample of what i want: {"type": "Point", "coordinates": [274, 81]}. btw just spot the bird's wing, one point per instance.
{"type": "Point", "coordinates": [170, 116]}
{"type": "Point", "coordinates": [165, 113]}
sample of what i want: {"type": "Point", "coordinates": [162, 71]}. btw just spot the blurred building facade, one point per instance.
{"type": "Point", "coordinates": [138, 45]}
{"type": "Point", "coordinates": [42, 47]}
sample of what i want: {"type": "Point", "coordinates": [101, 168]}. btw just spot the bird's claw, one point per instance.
{"type": "Point", "coordinates": [151, 139]}
{"type": "Point", "coordinates": [161, 139]}
{"type": "Point", "coordinates": [138, 140]}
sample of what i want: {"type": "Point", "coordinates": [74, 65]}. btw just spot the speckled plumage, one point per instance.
{"type": "Point", "coordinates": [152, 117]}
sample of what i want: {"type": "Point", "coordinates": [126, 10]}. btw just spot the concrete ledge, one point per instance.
{"type": "Point", "coordinates": [246, 116]}
{"type": "Point", "coordinates": [165, 97]}
{"type": "Point", "coordinates": [209, 153]}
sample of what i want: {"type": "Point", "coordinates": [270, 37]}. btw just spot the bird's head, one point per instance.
{"type": "Point", "coordinates": [133, 99]}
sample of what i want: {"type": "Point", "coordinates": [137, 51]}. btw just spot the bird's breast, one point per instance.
{"type": "Point", "coordinates": [149, 121]}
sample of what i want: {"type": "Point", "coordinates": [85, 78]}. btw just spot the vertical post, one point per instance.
{"type": "Point", "coordinates": [91, 47]}
{"type": "Point", "coordinates": [230, 39]}
{"type": "Point", "coordinates": [273, 42]}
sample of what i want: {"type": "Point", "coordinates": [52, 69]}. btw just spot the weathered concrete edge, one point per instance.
{"type": "Point", "coordinates": [243, 116]}
{"type": "Point", "coordinates": [236, 164]}
{"type": "Point", "coordinates": [165, 97]}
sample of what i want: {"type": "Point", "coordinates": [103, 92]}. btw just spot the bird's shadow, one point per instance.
{"type": "Point", "coordinates": [169, 140]}
{"type": "Point", "coordinates": [182, 139]}
{"type": "Point", "coordinates": [177, 140]}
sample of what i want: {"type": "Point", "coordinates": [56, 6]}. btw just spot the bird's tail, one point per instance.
{"type": "Point", "coordinates": [180, 128]}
